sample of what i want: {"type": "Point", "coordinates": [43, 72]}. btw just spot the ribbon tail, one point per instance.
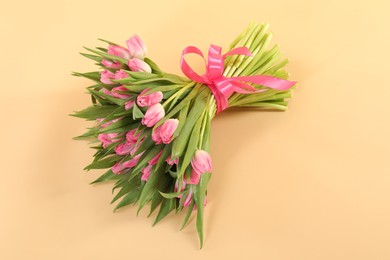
{"type": "Point", "coordinates": [268, 81]}
{"type": "Point", "coordinates": [239, 51]}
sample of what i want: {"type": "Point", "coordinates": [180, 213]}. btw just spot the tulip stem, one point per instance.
{"type": "Point", "coordinates": [178, 93]}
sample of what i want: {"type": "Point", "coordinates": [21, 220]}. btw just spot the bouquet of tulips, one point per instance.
{"type": "Point", "coordinates": [152, 128]}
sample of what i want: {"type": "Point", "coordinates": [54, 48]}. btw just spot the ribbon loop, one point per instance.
{"type": "Point", "coordinates": [223, 87]}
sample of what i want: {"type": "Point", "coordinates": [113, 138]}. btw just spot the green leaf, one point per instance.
{"type": "Point", "coordinates": [114, 100]}
{"type": "Point", "coordinates": [92, 57]}
{"type": "Point", "coordinates": [199, 194]}
{"type": "Point", "coordinates": [191, 147]}
{"type": "Point", "coordinates": [124, 113]}
{"type": "Point", "coordinates": [103, 152]}
{"type": "Point", "coordinates": [182, 120]}
{"type": "Point", "coordinates": [188, 214]}
{"type": "Point", "coordinates": [120, 126]}
{"type": "Point", "coordinates": [102, 49]}
{"type": "Point", "coordinates": [94, 112]}
{"type": "Point", "coordinates": [103, 164]}
{"type": "Point", "coordinates": [107, 56]}
{"type": "Point", "coordinates": [180, 142]}
{"type": "Point", "coordinates": [164, 88]}
{"type": "Point", "coordinates": [146, 144]}
{"type": "Point", "coordinates": [95, 75]}
{"type": "Point", "coordinates": [173, 174]}
{"type": "Point", "coordinates": [146, 157]}
{"type": "Point", "coordinates": [153, 65]}
{"type": "Point", "coordinates": [130, 197]}
{"type": "Point", "coordinates": [170, 195]}
{"type": "Point", "coordinates": [108, 176]}
{"type": "Point", "coordinates": [110, 43]}
{"type": "Point", "coordinates": [186, 93]}
{"type": "Point", "coordinates": [87, 135]}
{"type": "Point", "coordinates": [97, 98]}
{"type": "Point", "coordinates": [151, 186]}
{"type": "Point", "coordinates": [156, 201]}
{"type": "Point", "coordinates": [166, 152]}
{"type": "Point", "coordinates": [135, 77]}
{"type": "Point", "coordinates": [127, 186]}
{"type": "Point", "coordinates": [167, 206]}
{"type": "Point", "coordinates": [137, 113]}
{"type": "Point", "coordinates": [113, 115]}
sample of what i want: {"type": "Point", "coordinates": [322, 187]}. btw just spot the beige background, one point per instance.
{"type": "Point", "coordinates": [311, 183]}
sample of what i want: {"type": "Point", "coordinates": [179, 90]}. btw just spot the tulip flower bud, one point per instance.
{"type": "Point", "coordinates": [150, 99]}
{"type": "Point", "coordinates": [155, 159]}
{"type": "Point", "coordinates": [133, 161]}
{"type": "Point", "coordinates": [146, 172]}
{"type": "Point", "coordinates": [172, 162]}
{"type": "Point", "coordinates": [106, 76]}
{"type": "Point", "coordinates": [188, 199]}
{"type": "Point", "coordinates": [194, 178]}
{"type": "Point", "coordinates": [111, 64]}
{"type": "Point", "coordinates": [121, 74]}
{"type": "Point", "coordinates": [138, 65]}
{"type": "Point", "coordinates": [136, 47]}
{"type": "Point", "coordinates": [167, 130]}
{"type": "Point", "coordinates": [201, 162]}
{"type": "Point", "coordinates": [132, 137]}
{"type": "Point", "coordinates": [153, 115]}
{"type": "Point", "coordinates": [156, 135]}
{"type": "Point", "coordinates": [108, 139]}
{"type": "Point", "coordinates": [118, 168]}
{"type": "Point", "coordinates": [116, 92]}
{"type": "Point", "coordinates": [123, 148]}
{"type": "Point", "coordinates": [119, 51]}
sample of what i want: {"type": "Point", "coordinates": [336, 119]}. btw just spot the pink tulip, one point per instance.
{"type": "Point", "coordinates": [176, 188]}
{"type": "Point", "coordinates": [194, 178]}
{"type": "Point", "coordinates": [167, 130]}
{"type": "Point", "coordinates": [146, 172]}
{"type": "Point", "coordinates": [119, 51]}
{"type": "Point", "coordinates": [118, 168]}
{"type": "Point", "coordinates": [172, 162]}
{"type": "Point", "coordinates": [138, 65]}
{"type": "Point", "coordinates": [153, 115]}
{"type": "Point", "coordinates": [106, 76]}
{"type": "Point", "coordinates": [123, 148]}
{"type": "Point", "coordinates": [116, 92]}
{"type": "Point", "coordinates": [201, 162]}
{"type": "Point", "coordinates": [187, 201]}
{"type": "Point", "coordinates": [135, 148]}
{"type": "Point", "coordinates": [108, 139]}
{"type": "Point", "coordinates": [129, 104]}
{"type": "Point", "coordinates": [121, 74]}
{"type": "Point", "coordinates": [132, 137]}
{"type": "Point", "coordinates": [111, 64]}
{"type": "Point", "coordinates": [156, 137]}
{"type": "Point", "coordinates": [107, 92]}
{"type": "Point", "coordinates": [136, 47]}
{"type": "Point", "coordinates": [155, 159]}
{"type": "Point", "coordinates": [150, 99]}
{"type": "Point", "coordinates": [133, 161]}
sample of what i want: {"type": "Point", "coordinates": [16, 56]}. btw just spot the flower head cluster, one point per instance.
{"type": "Point", "coordinates": [131, 146]}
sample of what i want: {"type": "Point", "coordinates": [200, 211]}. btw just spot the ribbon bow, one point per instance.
{"type": "Point", "coordinates": [223, 87]}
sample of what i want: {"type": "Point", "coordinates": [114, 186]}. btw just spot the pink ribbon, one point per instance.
{"type": "Point", "coordinates": [223, 87]}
